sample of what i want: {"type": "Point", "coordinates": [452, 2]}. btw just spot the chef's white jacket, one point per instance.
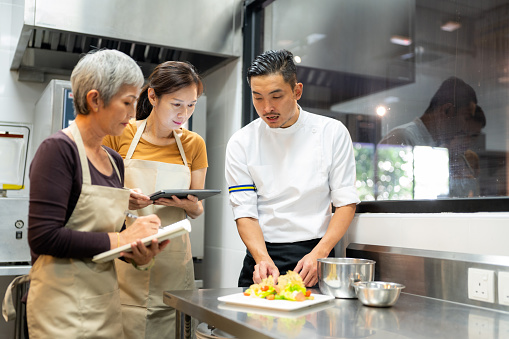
{"type": "Point", "coordinates": [288, 177]}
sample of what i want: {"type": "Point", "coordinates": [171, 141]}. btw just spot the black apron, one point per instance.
{"type": "Point", "coordinates": [285, 257]}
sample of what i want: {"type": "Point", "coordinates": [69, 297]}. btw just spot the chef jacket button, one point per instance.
{"type": "Point", "coordinates": [313, 130]}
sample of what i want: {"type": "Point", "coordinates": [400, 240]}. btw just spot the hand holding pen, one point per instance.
{"type": "Point", "coordinates": [141, 228]}
{"type": "Point", "coordinates": [134, 217]}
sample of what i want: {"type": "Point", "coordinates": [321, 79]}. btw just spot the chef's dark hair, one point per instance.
{"type": "Point", "coordinates": [455, 91]}
{"type": "Point", "coordinates": [168, 77]}
{"type": "Point", "coordinates": [274, 62]}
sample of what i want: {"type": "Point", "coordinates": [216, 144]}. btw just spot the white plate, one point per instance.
{"type": "Point", "coordinates": [276, 313]}
{"type": "Point", "coordinates": [167, 232]}
{"type": "Point", "coordinates": [280, 305]}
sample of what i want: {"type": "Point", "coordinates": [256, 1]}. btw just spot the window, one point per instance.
{"type": "Point", "coordinates": [420, 84]}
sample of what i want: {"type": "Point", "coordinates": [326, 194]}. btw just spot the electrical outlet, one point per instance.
{"type": "Point", "coordinates": [503, 288]}
{"type": "Point", "coordinates": [480, 327]}
{"type": "Point", "coordinates": [481, 285]}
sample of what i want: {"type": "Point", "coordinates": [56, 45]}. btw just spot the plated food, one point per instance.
{"type": "Point", "coordinates": [289, 287]}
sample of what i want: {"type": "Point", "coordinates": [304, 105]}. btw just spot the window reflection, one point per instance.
{"type": "Point", "coordinates": [402, 172]}
{"type": "Point", "coordinates": [358, 56]}
{"type": "Point", "coordinates": [394, 173]}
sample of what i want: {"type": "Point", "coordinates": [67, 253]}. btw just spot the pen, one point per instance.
{"type": "Point", "coordinates": [134, 216]}
{"type": "Point", "coordinates": [130, 215]}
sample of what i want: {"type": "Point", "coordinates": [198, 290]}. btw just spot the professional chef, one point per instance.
{"type": "Point", "coordinates": [161, 154]}
{"type": "Point", "coordinates": [283, 171]}
{"type": "Point", "coordinates": [77, 205]}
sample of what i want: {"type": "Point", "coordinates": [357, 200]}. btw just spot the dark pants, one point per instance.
{"type": "Point", "coordinates": [284, 255]}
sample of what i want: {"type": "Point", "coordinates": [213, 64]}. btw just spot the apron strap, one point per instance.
{"type": "Point", "coordinates": [181, 149]}
{"type": "Point", "coordinates": [81, 151]}
{"type": "Point", "coordinates": [113, 164]}
{"type": "Point", "coordinates": [137, 137]}
{"type": "Point", "coordinates": [8, 310]}
{"type": "Point", "coordinates": [136, 140]}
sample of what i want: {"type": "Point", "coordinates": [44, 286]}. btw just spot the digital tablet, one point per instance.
{"type": "Point", "coordinates": [182, 194]}
{"type": "Point", "coordinates": [166, 232]}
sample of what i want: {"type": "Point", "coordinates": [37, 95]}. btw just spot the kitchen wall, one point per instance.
{"type": "Point", "coordinates": [17, 99]}
{"type": "Point", "coordinates": [224, 250]}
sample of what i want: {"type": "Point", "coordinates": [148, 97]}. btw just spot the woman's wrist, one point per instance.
{"type": "Point", "coordinates": [144, 267]}
{"type": "Point", "coordinates": [196, 212]}
{"type": "Point", "coordinates": [116, 239]}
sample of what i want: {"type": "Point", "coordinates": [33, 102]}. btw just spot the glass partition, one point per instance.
{"type": "Point", "coordinates": [422, 86]}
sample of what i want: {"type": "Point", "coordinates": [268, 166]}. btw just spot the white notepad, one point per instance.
{"type": "Point", "coordinates": [167, 232]}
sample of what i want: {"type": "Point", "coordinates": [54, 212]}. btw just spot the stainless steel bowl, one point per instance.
{"type": "Point", "coordinates": [336, 275]}
{"type": "Point", "coordinates": [378, 293]}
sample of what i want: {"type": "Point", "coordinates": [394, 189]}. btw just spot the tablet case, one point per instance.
{"type": "Point", "coordinates": [183, 193]}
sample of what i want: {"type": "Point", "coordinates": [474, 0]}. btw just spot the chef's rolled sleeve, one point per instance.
{"type": "Point", "coordinates": [344, 196]}
{"type": "Point", "coordinates": [343, 172]}
{"type": "Point", "coordinates": [245, 211]}
{"type": "Point", "coordinates": [243, 197]}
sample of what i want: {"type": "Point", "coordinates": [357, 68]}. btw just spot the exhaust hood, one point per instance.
{"type": "Point", "coordinates": [53, 34]}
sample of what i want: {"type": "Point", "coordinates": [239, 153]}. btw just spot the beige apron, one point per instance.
{"type": "Point", "coordinates": [77, 298]}
{"type": "Point", "coordinates": [141, 292]}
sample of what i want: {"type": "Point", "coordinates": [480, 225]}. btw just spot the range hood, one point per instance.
{"type": "Point", "coordinates": [53, 34]}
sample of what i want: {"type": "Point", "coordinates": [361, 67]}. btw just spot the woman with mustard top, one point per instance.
{"type": "Point", "coordinates": [160, 154]}
{"type": "Point", "coordinates": [77, 205]}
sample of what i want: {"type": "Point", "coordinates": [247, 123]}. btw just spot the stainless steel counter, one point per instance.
{"type": "Point", "coordinates": [412, 317]}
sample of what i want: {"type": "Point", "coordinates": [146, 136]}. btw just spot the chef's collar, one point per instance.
{"type": "Point", "coordinates": [290, 129]}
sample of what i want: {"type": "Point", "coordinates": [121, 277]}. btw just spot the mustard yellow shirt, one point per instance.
{"type": "Point", "coordinates": [193, 144]}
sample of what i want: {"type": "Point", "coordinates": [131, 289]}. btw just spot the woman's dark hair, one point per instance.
{"type": "Point", "coordinates": [168, 77]}
{"type": "Point", "coordinates": [274, 62]}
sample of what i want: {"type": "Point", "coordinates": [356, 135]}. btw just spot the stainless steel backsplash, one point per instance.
{"type": "Point", "coordinates": [434, 274]}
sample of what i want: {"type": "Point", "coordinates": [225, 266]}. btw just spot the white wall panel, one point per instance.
{"type": "Point", "coordinates": [473, 233]}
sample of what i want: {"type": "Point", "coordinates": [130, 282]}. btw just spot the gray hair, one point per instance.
{"type": "Point", "coordinates": [105, 71]}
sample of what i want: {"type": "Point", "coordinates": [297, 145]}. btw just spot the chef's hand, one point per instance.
{"type": "Point", "coordinates": [263, 270]}
{"type": "Point", "coordinates": [307, 267]}
{"type": "Point", "coordinates": [138, 200]}
{"type": "Point", "coordinates": [142, 254]}
{"type": "Point", "coordinates": [190, 204]}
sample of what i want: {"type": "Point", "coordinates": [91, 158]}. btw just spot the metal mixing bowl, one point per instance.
{"type": "Point", "coordinates": [378, 293]}
{"type": "Point", "coordinates": [337, 275]}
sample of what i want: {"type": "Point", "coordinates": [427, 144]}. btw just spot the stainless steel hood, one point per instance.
{"type": "Point", "coordinates": [53, 34]}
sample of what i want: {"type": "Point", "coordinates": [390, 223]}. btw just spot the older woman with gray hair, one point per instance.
{"type": "Point", "coordinates": [77, 205]}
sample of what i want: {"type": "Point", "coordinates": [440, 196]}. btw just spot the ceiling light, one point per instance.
{"type": "Point", "coordinates": [297, 59]}
{"type": "Point", "coordinates": [401, 40]}
{"type": "Point", "coordinates": [381, 110]}
{"type": "Point", "coordinates": [450, 26]}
